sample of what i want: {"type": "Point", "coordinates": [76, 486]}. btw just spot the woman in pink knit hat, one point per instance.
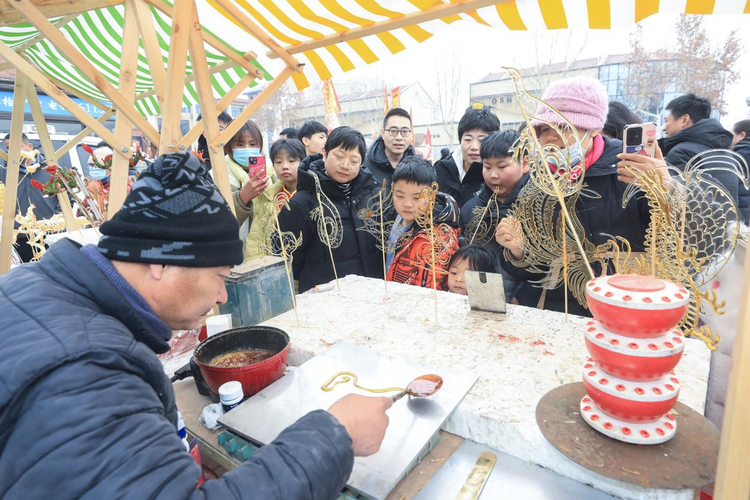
{"type": "Point", "coordinates": [584, 102]}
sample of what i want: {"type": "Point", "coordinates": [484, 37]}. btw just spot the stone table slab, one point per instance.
{"type": "Point", "coordinates": [518, 357]}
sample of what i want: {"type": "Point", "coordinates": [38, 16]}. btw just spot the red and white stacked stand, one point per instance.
{"type": "Point", "coordinates": [634, 347]}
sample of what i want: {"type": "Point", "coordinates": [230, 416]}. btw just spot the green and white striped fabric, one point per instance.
{"type": "Point", "coordinates": [98, 36]}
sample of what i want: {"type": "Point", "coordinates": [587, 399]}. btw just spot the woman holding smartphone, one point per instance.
{"type": "Point", "coordinates": [249, 175]}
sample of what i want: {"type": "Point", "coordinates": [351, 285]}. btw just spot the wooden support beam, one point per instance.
{"type": "Point", "coordinates": [191, 77]}
{"type": "Point", "coordinates": [39, 37]}
{"type": "Point", "coordinates": [11, 176]}
{"type": "Point", "coordinates": [52, 8]}
{"type": "Point", "coordinates": [223, 104]}
{"type": "Point", "coordinates": [25, 68]}
{"type": "Point", "coordinates": [256, 31]}
{"type": "Point", "coordinates": [254, 105]}
{"type": "Point", "coordinates": [421, 16]}
{"type": "Point", "coordinates": [172, 111]}
{"type": "Point", "coordinates": [49, 154]}
{"type": "Point", "coordinates": [4, 156]}
{"type": "Point", "coordinates": [152, 49]}
{"type": "Point", "coordinates": [123, 126]}
{"type": "Point", "coordinates": [243, 61]}
{"type": "Point", "coordinates": [83, 134]}
{"type": "Point", "coordinates": [733, 476]}
{"type": "Point", "coordinates": [76, 93]}
{"type": "Point", "coordinates": [84, 66]}
{"type": "Point", "coordinates": [208, 108]}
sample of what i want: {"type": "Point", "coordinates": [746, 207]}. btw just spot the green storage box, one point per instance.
{"type": "Point", "coordinates": [257, 290]}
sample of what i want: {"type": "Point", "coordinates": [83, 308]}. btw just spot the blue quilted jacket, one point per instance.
{"type": "Point", "coordinates": [87, 412]}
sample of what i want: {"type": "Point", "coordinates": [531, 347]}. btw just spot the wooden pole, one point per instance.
{"type": "Point", "coordinates": [85, 67]}
{"type": "Point", "coordinates": [151, 47]}
{"type": "Point", "coordinates": [53, 8]}
{"type": "Point", "coordinates": [254, 105]}
{"type": "Point", "coordinates": [243, 20]}
{"type": "Point", "coordinates": [25, 68]}
{"type": "Point", "coordinates": [11, 177]}
{"type": "Point", "coordinates": [240, 60]}
{"type": "Point", "coordinates": [123, 126]}
{"type": "Point", "coordinates": [423, 15]}
{"type": "Point", "coordinates": [83, 134]}
{"type": "Point", "coordinates": [191, 77]}
{"type": "Point", "coordinates": [733, 477]}
{"type": "Point", "coordinates": [172, 111]}
{"type": "Point", "coordinates": [208, 107]}
{"type": "Point", "coordinates": [30, 43]}
{"type": "Point", "coordinates": [223, 104]}
{"type": "Point", "coordinates": [50, 154]}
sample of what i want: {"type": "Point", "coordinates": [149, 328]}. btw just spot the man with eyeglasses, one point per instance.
{"type": "Point", "coordinates": [393, 145]}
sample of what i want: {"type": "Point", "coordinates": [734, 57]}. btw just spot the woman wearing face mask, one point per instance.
{"type": "Point", "coordinates": [584, 102]}
{"type": "Point", "coordinates": [246, 183]}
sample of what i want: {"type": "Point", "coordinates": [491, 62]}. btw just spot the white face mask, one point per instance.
{"type": "Point", "coordinates": [574, 152]}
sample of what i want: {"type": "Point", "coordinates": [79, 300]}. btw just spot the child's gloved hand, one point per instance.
{"type": "Point", "coordinates": [507, 236]}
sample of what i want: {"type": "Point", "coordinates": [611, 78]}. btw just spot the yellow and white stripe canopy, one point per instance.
{"type": "Point", "coordinates": [313, 30]}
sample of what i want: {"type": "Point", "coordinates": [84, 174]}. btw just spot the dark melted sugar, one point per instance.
{"type": "Point", "coordinates": [245, 357]}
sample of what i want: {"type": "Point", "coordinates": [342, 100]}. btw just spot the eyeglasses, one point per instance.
{"type": "Point", "coordinates": [393, 131]}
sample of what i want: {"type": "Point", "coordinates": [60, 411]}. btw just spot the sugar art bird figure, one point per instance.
{"type": "Point", "coordinates": [481, 227]}
{"type": "Point", "coordinates": [694, 231]}
{"type": "Point", "coordinates": [330, 228]}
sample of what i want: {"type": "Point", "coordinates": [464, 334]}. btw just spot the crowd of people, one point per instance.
{"type": "Point", "coordinates": [80, 330]}
{"type": "Point", "coordinates": [339, 164]}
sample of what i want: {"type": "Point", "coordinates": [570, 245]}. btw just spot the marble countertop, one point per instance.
{"type": "Point", "coordinates": [519, 357]}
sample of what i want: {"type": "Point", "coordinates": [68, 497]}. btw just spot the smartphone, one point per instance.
{"type": "Point", "coordinates": [257, 166]}
{"type": "Point", "coordinates": [640, 138]}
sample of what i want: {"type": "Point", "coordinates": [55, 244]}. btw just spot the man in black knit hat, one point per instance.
{"type": "Point", "coordinates": [85, 406]}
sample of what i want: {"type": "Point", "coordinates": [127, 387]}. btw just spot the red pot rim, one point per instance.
{"type": "Point", "coordinates": [247, 368]}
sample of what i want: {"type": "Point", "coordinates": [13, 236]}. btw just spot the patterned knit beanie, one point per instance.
{"type": "Point", "coordinates": [174, 215]}
{"type": "Point", "coordinates": [582, 100]}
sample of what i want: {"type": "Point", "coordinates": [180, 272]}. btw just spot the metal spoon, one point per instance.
{"type": "Point", "coordinates": [421, 387]}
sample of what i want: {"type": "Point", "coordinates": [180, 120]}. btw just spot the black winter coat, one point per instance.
{"type": "Point", "coordinates": [377, 163]}
{"type": "Point", "coordinates": [743, 148]}
{"type": "Point", "coordinates": [706, 134]}
{"type": "Point", "coordinates": [479, 201]}
{"type": "Point", "coordinates": [600, 217]}
{"type": "Point", "coordinates": [87, 411]}
{"type": "Point", "coordinates": [450, 183]}
{"type": "Point", "coordinates": [26, 195]}
{"type": "Point", "coordinates": [357, 253]}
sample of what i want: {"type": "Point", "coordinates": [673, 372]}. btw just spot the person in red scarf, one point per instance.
{"type": "Point", "coordinates": [584, 102]}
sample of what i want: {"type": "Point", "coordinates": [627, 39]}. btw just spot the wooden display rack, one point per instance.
{"type": "Point", "coordinates": [187, 36]}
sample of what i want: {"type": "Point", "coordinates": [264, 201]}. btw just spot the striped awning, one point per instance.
{"type": "Point", "coordinates": [298, 23]}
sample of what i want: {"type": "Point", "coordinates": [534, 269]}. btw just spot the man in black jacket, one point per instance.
{"type": "Point", "coordinates": [349, 188]}
{"type": "Point", "coordinates": [393, 145]}
{"type": "Point", "coordinates": [86, 408]}
{"type": "Point", "coordinates": [690, 131]}
{"type": "Point", "coordinates": [741, 146]}
{"type": "Point", "coordinates": [460, 174]}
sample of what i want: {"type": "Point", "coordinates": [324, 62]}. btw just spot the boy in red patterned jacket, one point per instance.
{"type": "Point", "coordinates": [409, 258]}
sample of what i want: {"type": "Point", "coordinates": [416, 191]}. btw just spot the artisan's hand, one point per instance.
{"type": "Point", "coordinates": [364, 419]}
{"type": "Point", "coordinates": [254, 187]}
{"type": "Point", "coordinates": [505, 236]}
{"type": "Point", "coordinates": [640, 163]}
